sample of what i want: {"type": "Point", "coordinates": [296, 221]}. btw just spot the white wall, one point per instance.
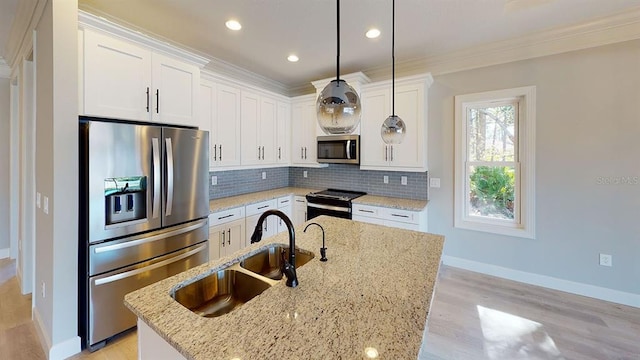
{"type": "Point", "coordinates": [5, 122]}
{"type": "Point", "coordinates": [56, 61]}
{"type": "Point", "coordinates": [588, 129]}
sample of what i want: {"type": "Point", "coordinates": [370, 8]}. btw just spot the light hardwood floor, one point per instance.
{"type": "Point", "coordinates": [473, 317]}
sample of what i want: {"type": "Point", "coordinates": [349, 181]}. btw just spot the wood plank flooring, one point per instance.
{"type": "Point", "coordinates": [473, 317]}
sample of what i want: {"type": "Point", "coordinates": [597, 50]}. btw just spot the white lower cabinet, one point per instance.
{"type": "Point", "coordinates": [284, 205]}
{"type": "Point", "coordinates": [226, 232]}
{"type": "Point", "coordinates": [299, 215]}
{"type": "Point", "coordinates": [397, 218]}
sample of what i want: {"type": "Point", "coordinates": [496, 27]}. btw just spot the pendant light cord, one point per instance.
{"type": "Point", "coordinates": [393, 58]}
{"type": "Point", "coordinates": [338, 42]}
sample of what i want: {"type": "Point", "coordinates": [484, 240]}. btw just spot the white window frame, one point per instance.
{"type": "Point", "coordinates": [523, 224]}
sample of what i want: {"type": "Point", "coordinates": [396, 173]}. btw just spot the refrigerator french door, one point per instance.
{"type": "Point", "coordinates": [144, 206]}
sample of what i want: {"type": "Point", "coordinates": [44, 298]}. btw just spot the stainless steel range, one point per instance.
{"type": "Point", "coordinates": [331, 202]}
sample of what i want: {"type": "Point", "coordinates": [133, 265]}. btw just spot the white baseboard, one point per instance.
{"type": "Point", "coordinates": [572, 287]}
{"type": "Point", "coordinates": [58, 351]}
{"type": "Point", "coordinates": [5, 253]}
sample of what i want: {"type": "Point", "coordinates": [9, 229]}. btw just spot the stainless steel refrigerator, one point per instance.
{"type": "Point", "coordinates": [144, 206]}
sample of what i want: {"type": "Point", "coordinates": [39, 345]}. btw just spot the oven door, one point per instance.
{"type": "Point", "coordinates": [314, 210]}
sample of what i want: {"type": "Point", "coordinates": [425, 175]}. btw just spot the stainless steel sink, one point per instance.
{"type": "Point", "coordinates": [224, 290]}
{"type": "Point", "coordinates": [268, 262]}
{"type": "Point", "coordinates": [220, 292]}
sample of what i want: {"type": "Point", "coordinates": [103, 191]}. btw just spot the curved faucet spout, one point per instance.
{"type": "Point", "coordinates": [323, 249]}
{"type": "Point", "coordinates": [289, 266]}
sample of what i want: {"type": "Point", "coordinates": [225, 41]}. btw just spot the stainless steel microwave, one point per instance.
{"type": "Point", "coordinates": [339, 149]}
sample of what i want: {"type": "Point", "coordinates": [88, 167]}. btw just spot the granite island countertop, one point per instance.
{"type": "Point", "coordinates": [255, 197]}
{"type": "Point", "coordinates": [374, 292]}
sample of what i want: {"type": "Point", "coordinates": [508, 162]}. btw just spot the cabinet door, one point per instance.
{"type": "Point", "coordinates": [410, 108]}
{"type": "Point", "coordinates": [375, 109]}
{"type": "Point", "coordinates": [269, 226]}
{"type": "Point", "coordinates": [215, 241]}
{"type": "Point", "coordinates": [175, 91]}
{"type": "Point", "coordinates": [250, 115]}
{"type": "Point", "coordinates": [226, 127]}
{"type": "Point", "coordinates": [299, 210]}
{"type": "Point", "coordinates": [117, 78]}
{"type": "Point", "coordinates": [280, 225]}
{"type": "Point", "coordinates": [283, 136]}
{"type": "Point", "coordinates": [205, 116]}
{"type": "Point", "coordinates": [235, 237]}
{"type": "Point", "coordinates": [303, 128]}
{"type": "Point", "coordinates": [267, 130]}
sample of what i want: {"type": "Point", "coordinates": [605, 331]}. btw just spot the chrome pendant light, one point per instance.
{"type": "Point", "coordinates": [338, 105]}
{"type": "Point", "coordinates": [393, 128]}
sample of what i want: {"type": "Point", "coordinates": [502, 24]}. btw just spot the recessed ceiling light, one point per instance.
{"type": "Point", "coordinates": [233, 25]}
{"type": "Point", "coordinates": [292, 58]}
{"type": "Point", "coordinates": [373, 33]}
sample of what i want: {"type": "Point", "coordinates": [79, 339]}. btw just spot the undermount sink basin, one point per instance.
{"type": "Point", "coordinates": [268, 262]}
{"type": "Point", "coordinates": [220, 292]}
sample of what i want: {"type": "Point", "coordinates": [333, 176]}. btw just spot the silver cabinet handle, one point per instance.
{"type": "Point", "coordinates": [229, 237]}
{"type": "Point", "coordinates": [147, 99]}
{"type": "Point", "coordinates": [169, 176]}
{"type": "Point", "coordinates": [402, 216]}
{"type": "Point", "coordinates": [258, 152]}
{"type": "Point", "coordinates": [279, 152]}
{"type": "Point", "coordinates": [162, 263]}
{"type": "Point", "coordinates": [301, 152]}
{"type": "Point", "coordinates": [155, 149]}
{"type": "Point", "coordinates": [157, 101]}
{"type": "Point", "coordinates": [215, 153]}
{"type": "Point", "coordinates": [263, 207]}
{"type": "Point", "coordinates": [366, 211]}
{"type": "Point", "coordinates": [220, 157]}
{"type": "Point", "coordinates": [223, 237]}
{"type": "Point", "coordinates": [305, 153]}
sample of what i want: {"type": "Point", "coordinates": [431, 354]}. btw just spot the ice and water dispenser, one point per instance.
{"type": "Point", "coordinates": [125, 199]}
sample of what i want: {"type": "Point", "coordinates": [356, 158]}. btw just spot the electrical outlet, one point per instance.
{"type": "Point", "coordinates": [264, 175]}
{"type": "Point", "coordinates": [606, 260]}
{"type": "Point", "coordinates": [385, 179]}
{"type": "Point", "coordinates": [45, 207]}
{"type": "Point", "coordinates": [38, 196]}
{"type": "Point", "coordinates": [434, 182]}
{"type": "Point", "coordinates": [305, 174]}
{"type": "Point", "coordinates": [403, 180]}
{"type": "Point", "coordinates": [214, 180]}
{"type": "Point", "coordinates": [44, 294]}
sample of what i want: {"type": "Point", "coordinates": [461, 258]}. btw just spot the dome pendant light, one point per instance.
{"type": "Point", "coordinates": [393, 128]}
{"type": "Point", "coordinates": [338, 105]}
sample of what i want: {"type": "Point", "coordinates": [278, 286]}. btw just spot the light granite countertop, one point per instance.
{"type": "Point", "coordinates": [374, 292]}
{"type": "Point", "coordinates": [255, 197]}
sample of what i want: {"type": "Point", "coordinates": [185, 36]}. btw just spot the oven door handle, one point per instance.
{"type": "Point", "coordinates": [329, 207]}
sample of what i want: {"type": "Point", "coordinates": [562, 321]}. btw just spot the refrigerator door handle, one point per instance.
{"type": "Point", "coordinates": [162, 263]}
{"type": "Point", "coordinates": [169, 177]}
{"type": "Point", "coordinates": [149, 239]}
{"type": "Point", "coordinates": [155, 203]}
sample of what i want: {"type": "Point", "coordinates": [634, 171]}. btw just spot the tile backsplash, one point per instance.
{"type": "Point", "coordinates": [338, 176]}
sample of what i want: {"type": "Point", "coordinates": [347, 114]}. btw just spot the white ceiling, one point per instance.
{"type": "Point", "coordinates": [272, 29]}
{"type": "Point", "coordinates": [7, 12]}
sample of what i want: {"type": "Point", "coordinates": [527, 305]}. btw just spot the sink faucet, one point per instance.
{"type": "Point", "coordinates": [289, 268]}
{"type": "Point", "coordinates": [323, 250]}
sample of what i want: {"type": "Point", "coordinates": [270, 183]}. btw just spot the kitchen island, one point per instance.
{"type": "Point", "coordinates": [370, 299]}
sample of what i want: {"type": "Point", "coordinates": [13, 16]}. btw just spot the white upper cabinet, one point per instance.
{"type": "Point", "coordinates": [303, 130]}
{"type": "Point", "coordinates": [259, 120]}
{"type": "Point", "coordinates": [283, 136]}
{"type": "Point", "coordinates": [410, 106]}
{"type": "Point", "coordinates": [220, 114]}
{"type": "Point", "coordinates": [117, 78]}
{"type": "Point", "coordinates": [126, 75]}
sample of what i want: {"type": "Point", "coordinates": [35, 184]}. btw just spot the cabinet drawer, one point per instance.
{"type": "Point", "coordinates": [284, 201]}
{"type": "Point", "coordinates": [401, 215]}
{"type": "Point", "coordinates": [366, 210]}
{"type": "Point", "coordinates": [259, 208]}
{"type": "Point", "coordinates": [300, 200]}
{"type": "Point", "coordinates": [226, 216]}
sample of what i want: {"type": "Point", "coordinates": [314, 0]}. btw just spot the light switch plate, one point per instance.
{"type": "Point", "coordinates": [38, 198]}
{"type": "Point", "coordinates": [46, 205]}
{"type": "Point", "coordinates": [434, 182]}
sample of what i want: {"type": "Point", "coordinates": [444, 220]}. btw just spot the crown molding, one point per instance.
{"type": "Point", "coordinates": [226, 69]}
{"type": "Point", "coordinates": [87, 20]}
{"type": "Point", "coordinates": [617, 28]}
{"type": "Point", "coordinates": [20, 42]}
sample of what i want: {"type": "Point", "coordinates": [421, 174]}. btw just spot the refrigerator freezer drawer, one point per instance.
{"type": "Point", "coordinates": [107, 314]}
{"type": "Point", "coordinates": [115, 254]}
